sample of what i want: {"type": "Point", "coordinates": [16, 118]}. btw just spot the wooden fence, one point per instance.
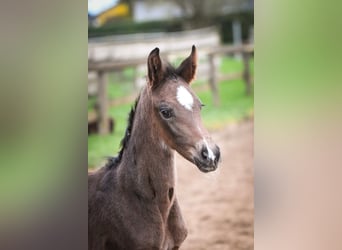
{"type": "Point", "coordinates": [103, 67]}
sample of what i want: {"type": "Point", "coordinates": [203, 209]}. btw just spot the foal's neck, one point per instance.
{"type": "Point", "coordinates": [149, 161]}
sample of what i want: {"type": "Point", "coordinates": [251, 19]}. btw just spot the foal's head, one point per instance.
{"type": "Point", "coordinates": [176, 111]}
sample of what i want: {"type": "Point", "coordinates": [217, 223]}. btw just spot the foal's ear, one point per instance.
{"type": "Point", "coordinates": [187, 69]}
{"type": "Point", "coordinates": [154, 68]}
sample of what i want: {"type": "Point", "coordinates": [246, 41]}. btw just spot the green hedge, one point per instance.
{"type": "Point", "coordinates": [129, 27]}
{"type": "Point", "coordinates": [225, 25]}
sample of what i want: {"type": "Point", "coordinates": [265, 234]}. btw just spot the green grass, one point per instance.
{"type": "Point", "coordinates": [235, 105]}
{"type": "Point", "coordinates": [100, 146]}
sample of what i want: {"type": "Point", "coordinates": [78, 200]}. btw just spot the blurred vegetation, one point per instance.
{"type": "Point", "coordinates": [127, 26]}
{"type": "Point", "coordinates": [235, 106]}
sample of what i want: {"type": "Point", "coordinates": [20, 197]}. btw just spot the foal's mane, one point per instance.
{"type": "Point", "coordinates": [114, 161]}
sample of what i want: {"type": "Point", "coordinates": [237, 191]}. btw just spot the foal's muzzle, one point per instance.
{"type": "Point", "coordinates": [207, 158]}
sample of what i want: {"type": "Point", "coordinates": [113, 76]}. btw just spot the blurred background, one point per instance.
{"type": "Point", "coordinates": [121, 34]}
{"type": "Point", "coordinates": [297, 121]}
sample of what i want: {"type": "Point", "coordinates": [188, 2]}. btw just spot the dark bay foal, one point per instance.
{"type": "Point", "coordinates": [132, 199]}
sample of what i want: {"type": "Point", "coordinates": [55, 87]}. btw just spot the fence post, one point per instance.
{"type": "Point", "coordinates": [237, 36]}
{"type": "Point", "coordinates": [246, 72]}
{"type": "Point", "coordinates": [213, 79]}
{"type": "Point", "coordinates": [102, 103]}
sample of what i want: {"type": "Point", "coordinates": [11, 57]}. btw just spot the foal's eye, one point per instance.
{"type": "Point", "coordinates": [166, 113]}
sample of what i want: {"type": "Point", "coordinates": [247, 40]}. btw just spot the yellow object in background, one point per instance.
{"type": "Point", "coordinates": [120, 10]}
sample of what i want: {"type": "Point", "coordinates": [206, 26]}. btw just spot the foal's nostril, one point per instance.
{"type": "Point", "coordinates": [204, 153]}
{"type": "Point", "coordinates": [217, 154]}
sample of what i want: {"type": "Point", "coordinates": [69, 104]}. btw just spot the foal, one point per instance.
{"type": "Point", "coordinates": [132, 200]}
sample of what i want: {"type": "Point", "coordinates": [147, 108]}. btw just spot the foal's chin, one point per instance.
{"type": "Point", "coordinates": [205, 167]}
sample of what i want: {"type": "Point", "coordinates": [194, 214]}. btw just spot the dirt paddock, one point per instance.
{"type": "Point", "coordinates": [219, 207]}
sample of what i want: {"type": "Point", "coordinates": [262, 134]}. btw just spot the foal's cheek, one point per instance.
{"type": "Point", "coordinates": [176, 134]}
{"type": "Point", "coordinates": [164, 128]}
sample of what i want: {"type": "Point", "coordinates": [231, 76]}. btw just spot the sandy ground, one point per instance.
{"type": "Point", "coordinates": [218, 207]}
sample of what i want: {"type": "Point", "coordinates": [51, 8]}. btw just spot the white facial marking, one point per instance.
{"type": "Point", "coordinates": [184, 97]}
{"type": "Point", "coordinates": [211, 155]}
